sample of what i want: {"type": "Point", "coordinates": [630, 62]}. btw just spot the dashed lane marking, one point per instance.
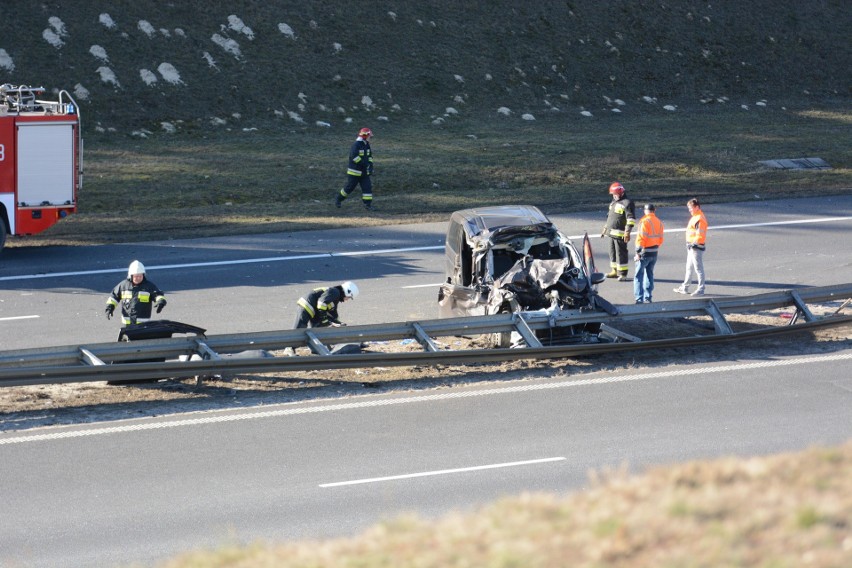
{"type": "Point", "coordinates": [440, 472]}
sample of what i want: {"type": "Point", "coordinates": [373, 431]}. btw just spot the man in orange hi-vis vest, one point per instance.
{"type": "Point", "coordinates": [648, 241]}
{"type": "Point", "coordinates": [696, 237]}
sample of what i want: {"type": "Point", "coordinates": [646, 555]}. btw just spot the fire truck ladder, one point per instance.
{"type": "Point", "coordinates": [200, 356]}
{"type": "Point", "coordinates": [19, 99]}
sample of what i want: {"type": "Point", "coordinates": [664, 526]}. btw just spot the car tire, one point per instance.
{"type": "Point", "coordinates": [501, 340]}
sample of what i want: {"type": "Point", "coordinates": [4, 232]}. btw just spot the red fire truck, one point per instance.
{"type": "Point", "coordinates": [41, 160]}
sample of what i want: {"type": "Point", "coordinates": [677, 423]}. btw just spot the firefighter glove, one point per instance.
{"type": "Point", "coordinates": [627, 237]}
{"type": "Point", "coordinates": [109, 310]}
{"type": "Point", "coordinates": [161, 303]}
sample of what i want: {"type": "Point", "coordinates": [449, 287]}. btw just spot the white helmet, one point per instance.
{"type": "Point", "coordinates": [350, 289]}
{"type": "Point", "coordinates": [135, 267]}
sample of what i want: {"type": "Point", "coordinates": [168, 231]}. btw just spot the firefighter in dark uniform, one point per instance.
{"type": "Point", "coordinates": [359, 171]}
{"type": "Point", "coordinates": [619, 223]}
{"type": "Point", "coordinates": [137, 295]}
{"type": "Point", "coordinates": [319, 308]}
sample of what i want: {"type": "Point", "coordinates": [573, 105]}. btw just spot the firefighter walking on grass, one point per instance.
{"type": "Point", "coordinates": [360, 170]}
{"type": "Point", "coordinates": [619, 223]}
{"type": "Point", "coordinates": [137, 296]}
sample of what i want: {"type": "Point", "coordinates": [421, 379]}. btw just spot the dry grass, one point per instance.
{"type": "Point", "coordinates": [238, 183]}
{"type": "Point", "coordinates": [781, 511]}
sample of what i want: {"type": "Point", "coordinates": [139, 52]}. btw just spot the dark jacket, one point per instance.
{"type": "Point", "coordinates": [321, 305]}
{"type": "Point", "coordinates": [136, 301]}
{"type": "Point", "coordinates": [360, 158]}
{"type": "Point", "coordinates": [622, 217]}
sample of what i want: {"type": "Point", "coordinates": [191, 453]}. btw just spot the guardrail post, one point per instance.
{"type": "Point", "coordinates": [801, 307]}
{"type": "Point", "coordinates": [722, 327]}
{"type": "Point", "coordinates": [316, 344]}
{"type": "Point", "coordinates": [90, 358]}
{"type": "Point", "coordinates": [423, 337]}
{"type": "Point", "coordinates": [525, 331]}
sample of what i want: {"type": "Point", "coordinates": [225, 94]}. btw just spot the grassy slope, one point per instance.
{"type": "Point", "coordinates": [238, 162]}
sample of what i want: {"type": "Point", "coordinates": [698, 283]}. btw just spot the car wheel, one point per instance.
{"type": "Point", "coordinates": [502, 340]}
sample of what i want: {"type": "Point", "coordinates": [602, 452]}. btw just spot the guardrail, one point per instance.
{"type": "Point", "coordinates": [122, 361]}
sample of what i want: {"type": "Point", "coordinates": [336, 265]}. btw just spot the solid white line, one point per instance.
{"type": "Point", "coordinates": [440, 472]}
{"type": "Point", "coordinates": [217, 417]}
{"type": "Point", "coordinates": [750, 225]}
{"type": "Point", "coordinates": [222, 263]}
{"type": "Point", "coordinates": [18, 318]}
{"type": "Point", "coordinates": [359, 253]}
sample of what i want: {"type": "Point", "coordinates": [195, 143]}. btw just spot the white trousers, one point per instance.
{"type": "Point", "coordinates": [694, 262]}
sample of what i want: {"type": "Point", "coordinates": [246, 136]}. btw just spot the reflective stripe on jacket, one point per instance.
{"type": "Point", "coordinates": [696, 230]}
{"type": "Point", "coordinates": [650, 235]}
{"type": "Point", "coordinates": [360, 158]}
{"type": "Point", "coordinates": [321, 304]}
{"type": "Point", "coordinates": [136, 300]}
{"type": "Point", "coordinates": [622, 215]}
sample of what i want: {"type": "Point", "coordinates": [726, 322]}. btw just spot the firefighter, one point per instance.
{"type": "Point", "coordinates": [319, 308]}
{"type": "Point", "coordinates": [696, 240]}
{"type": "Point", "coordinates": [649, 237]}
{"type": "Point", "coordinates": [137, 295]}
{"type": "Point", "coordinates": [619, 223]}
{"type": "Point", "coordinates": [360, 170]}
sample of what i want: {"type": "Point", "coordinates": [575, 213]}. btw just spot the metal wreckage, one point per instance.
{"type": "Point", "coordinates": [511, 259]}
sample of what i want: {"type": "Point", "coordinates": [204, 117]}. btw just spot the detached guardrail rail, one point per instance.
{"type": "Point", "coordinates": [159, 358]}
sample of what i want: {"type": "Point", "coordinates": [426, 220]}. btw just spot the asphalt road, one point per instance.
{"type": "Point", "coordinates": [114, 493]}
{"type": "Point", "coordinates": [56, 295]}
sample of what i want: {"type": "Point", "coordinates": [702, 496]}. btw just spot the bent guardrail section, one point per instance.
{"type": "Point", "coordinates": [132, 360]}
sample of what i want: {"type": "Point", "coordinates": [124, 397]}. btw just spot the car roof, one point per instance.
{"type": "Point", "coordinates": [480, 219]}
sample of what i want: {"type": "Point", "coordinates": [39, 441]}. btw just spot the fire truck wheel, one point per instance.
{"type": "Point", "coordinates": [2, 233]}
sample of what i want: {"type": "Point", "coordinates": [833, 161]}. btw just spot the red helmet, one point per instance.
{"type": "Point", "coordinates": [616, 188]}
{"type": "Point", "coordinates": [365, 133]}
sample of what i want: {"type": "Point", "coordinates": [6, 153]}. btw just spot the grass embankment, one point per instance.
{"type": "Point", "coordinates": [233, 182]}
{"type": "Point", "coordinates": [781, 511]}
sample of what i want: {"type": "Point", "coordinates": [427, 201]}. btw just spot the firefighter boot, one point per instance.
{"type": "Point", "coordinates": [612, 274]}
{"type": "Point", "coordinates": [338, 201]}
{"type": "Point", "coordinates": [622, 276]}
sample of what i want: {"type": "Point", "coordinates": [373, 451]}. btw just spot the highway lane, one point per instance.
{"type": "Point", "coordinates": [55, 295]}
{"type": "Point", "coordinates": [114, 493]}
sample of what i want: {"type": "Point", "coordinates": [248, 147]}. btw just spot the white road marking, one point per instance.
{"type": "Point", "coordinates": [218, 417]}
{"type": "Point", "coordinates": [18, 318]}
{"type": "Point", "coordinates": [222, 262]}
{"type": "Point", "coordinates": [440, 472]}
{"type": "Point", "coordinates": [359, 253]}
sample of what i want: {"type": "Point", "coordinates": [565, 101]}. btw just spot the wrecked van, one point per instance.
{"type": "Point", "coordinates": [512, 258]}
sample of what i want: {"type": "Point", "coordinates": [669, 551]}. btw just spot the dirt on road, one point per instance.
{"type": "Point", "coordinates": [24, 408]}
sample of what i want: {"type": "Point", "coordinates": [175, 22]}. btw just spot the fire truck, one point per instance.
{"type": "Point", "coordinates": [41, 159]}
